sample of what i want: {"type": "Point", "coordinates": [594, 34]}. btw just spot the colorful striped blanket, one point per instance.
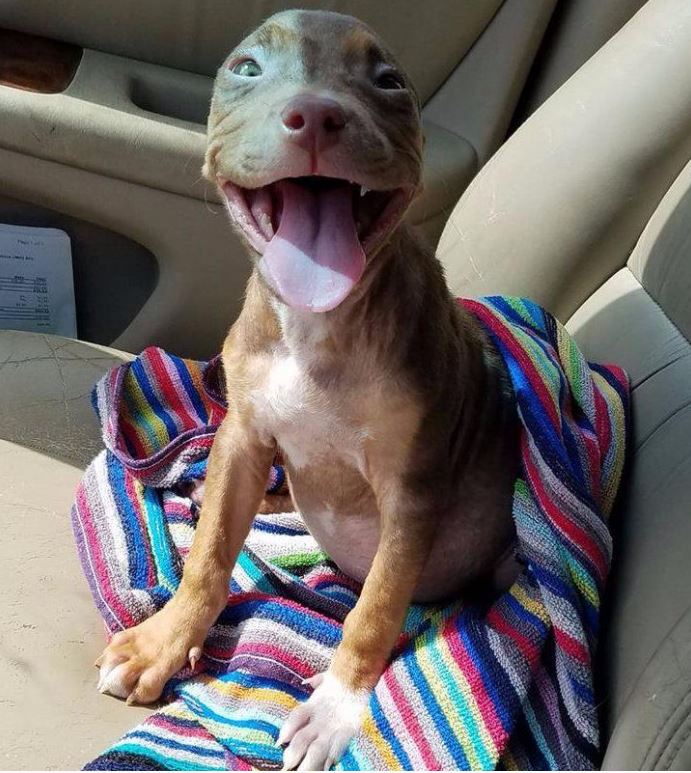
{"type": "Point", "coordinates": [504, 683]}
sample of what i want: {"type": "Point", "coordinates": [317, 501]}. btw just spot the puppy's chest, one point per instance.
{"type": "Point", "coordinates": [309, 422]}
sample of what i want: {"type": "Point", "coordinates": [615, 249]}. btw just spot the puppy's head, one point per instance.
{"type": "Point", "coordinates": [315, 141]}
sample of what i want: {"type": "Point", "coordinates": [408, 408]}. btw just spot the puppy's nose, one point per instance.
{"type": "Point", "coordinates": [313, 122]}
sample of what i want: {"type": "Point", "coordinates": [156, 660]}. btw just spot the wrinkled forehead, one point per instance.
{"type": "Point", "coordinates": [319, 43]}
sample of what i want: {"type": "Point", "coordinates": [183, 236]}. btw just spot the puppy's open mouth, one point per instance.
{"type": "Point", "coordinates": [313, 234]}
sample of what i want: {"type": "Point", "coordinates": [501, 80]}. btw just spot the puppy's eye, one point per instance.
{"type": "Point", "coordinates": [248, 68]}
{"type": "Point", "coordinates": [389, 81]}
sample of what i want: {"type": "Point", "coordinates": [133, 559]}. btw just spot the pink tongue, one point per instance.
{"type": "Point", "coordinates": [315, 259]}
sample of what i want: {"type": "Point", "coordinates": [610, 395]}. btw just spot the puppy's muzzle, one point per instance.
{"type": "Point", "coordinates": [313, 123]}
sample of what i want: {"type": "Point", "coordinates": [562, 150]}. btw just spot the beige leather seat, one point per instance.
{"type": "Point", "coordinates": [50, 634]}
{"type": "Point", "coordinates": [587, 209]}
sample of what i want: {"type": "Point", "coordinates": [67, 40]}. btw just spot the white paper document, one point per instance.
{"type": "Point", "coordinates": [36, 284]}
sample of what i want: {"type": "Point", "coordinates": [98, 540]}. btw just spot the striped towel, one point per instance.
{"type": "Point", "coordinates": [505, 683]}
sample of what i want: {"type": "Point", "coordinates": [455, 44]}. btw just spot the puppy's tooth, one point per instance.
{"type": "Point", "coordinates": [363, 191]}
{"type": "Point", "coordinates": [267, 226]}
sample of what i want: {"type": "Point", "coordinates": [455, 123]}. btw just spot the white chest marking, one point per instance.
{"type": "Point", "coordinates": [308, 422]}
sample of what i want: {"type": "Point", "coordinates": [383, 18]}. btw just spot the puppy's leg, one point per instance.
{"type": "Point", "coordinates": [138, 662]}
{"type": "Point", "coordinates": [318, 731]}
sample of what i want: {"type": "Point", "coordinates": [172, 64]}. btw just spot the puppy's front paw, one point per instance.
{"type": "Point", "coordinates": [139, 661]}
{"type": "Point", "coordinates": [318, 731]}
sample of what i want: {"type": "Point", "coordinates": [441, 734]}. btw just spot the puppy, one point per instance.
{"type": "Point", "coordinates": [387, 400]}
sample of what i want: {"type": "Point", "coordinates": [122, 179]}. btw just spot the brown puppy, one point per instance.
{"type": "Point", "coordinates": [387, 400]}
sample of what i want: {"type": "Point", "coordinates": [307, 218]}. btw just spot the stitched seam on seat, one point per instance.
{"type": "Point", "coordinates": [630, 697]}
{"type": "Point", "coordinates": [674, 413]}
{"type": "Point", "coordinates": [671, 753]}
{"type": "Point", "coordinates": [681, 407]}
{"type": "Point", "coordinates": [654, 300]}
{"type": "Point", "coordinates": [678, 723]}
{"type": "Point", "coordinates": [660, 369]}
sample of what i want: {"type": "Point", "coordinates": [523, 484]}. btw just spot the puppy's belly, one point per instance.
{"type": "Point", "coordinates": [340, 511]}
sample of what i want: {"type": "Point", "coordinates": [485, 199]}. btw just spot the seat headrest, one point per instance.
{"type": "Point", "coordinates": [560, 206]}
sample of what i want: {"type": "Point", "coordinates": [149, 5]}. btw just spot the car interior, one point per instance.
{"type": "Point", "coordinates": [557, 167]}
